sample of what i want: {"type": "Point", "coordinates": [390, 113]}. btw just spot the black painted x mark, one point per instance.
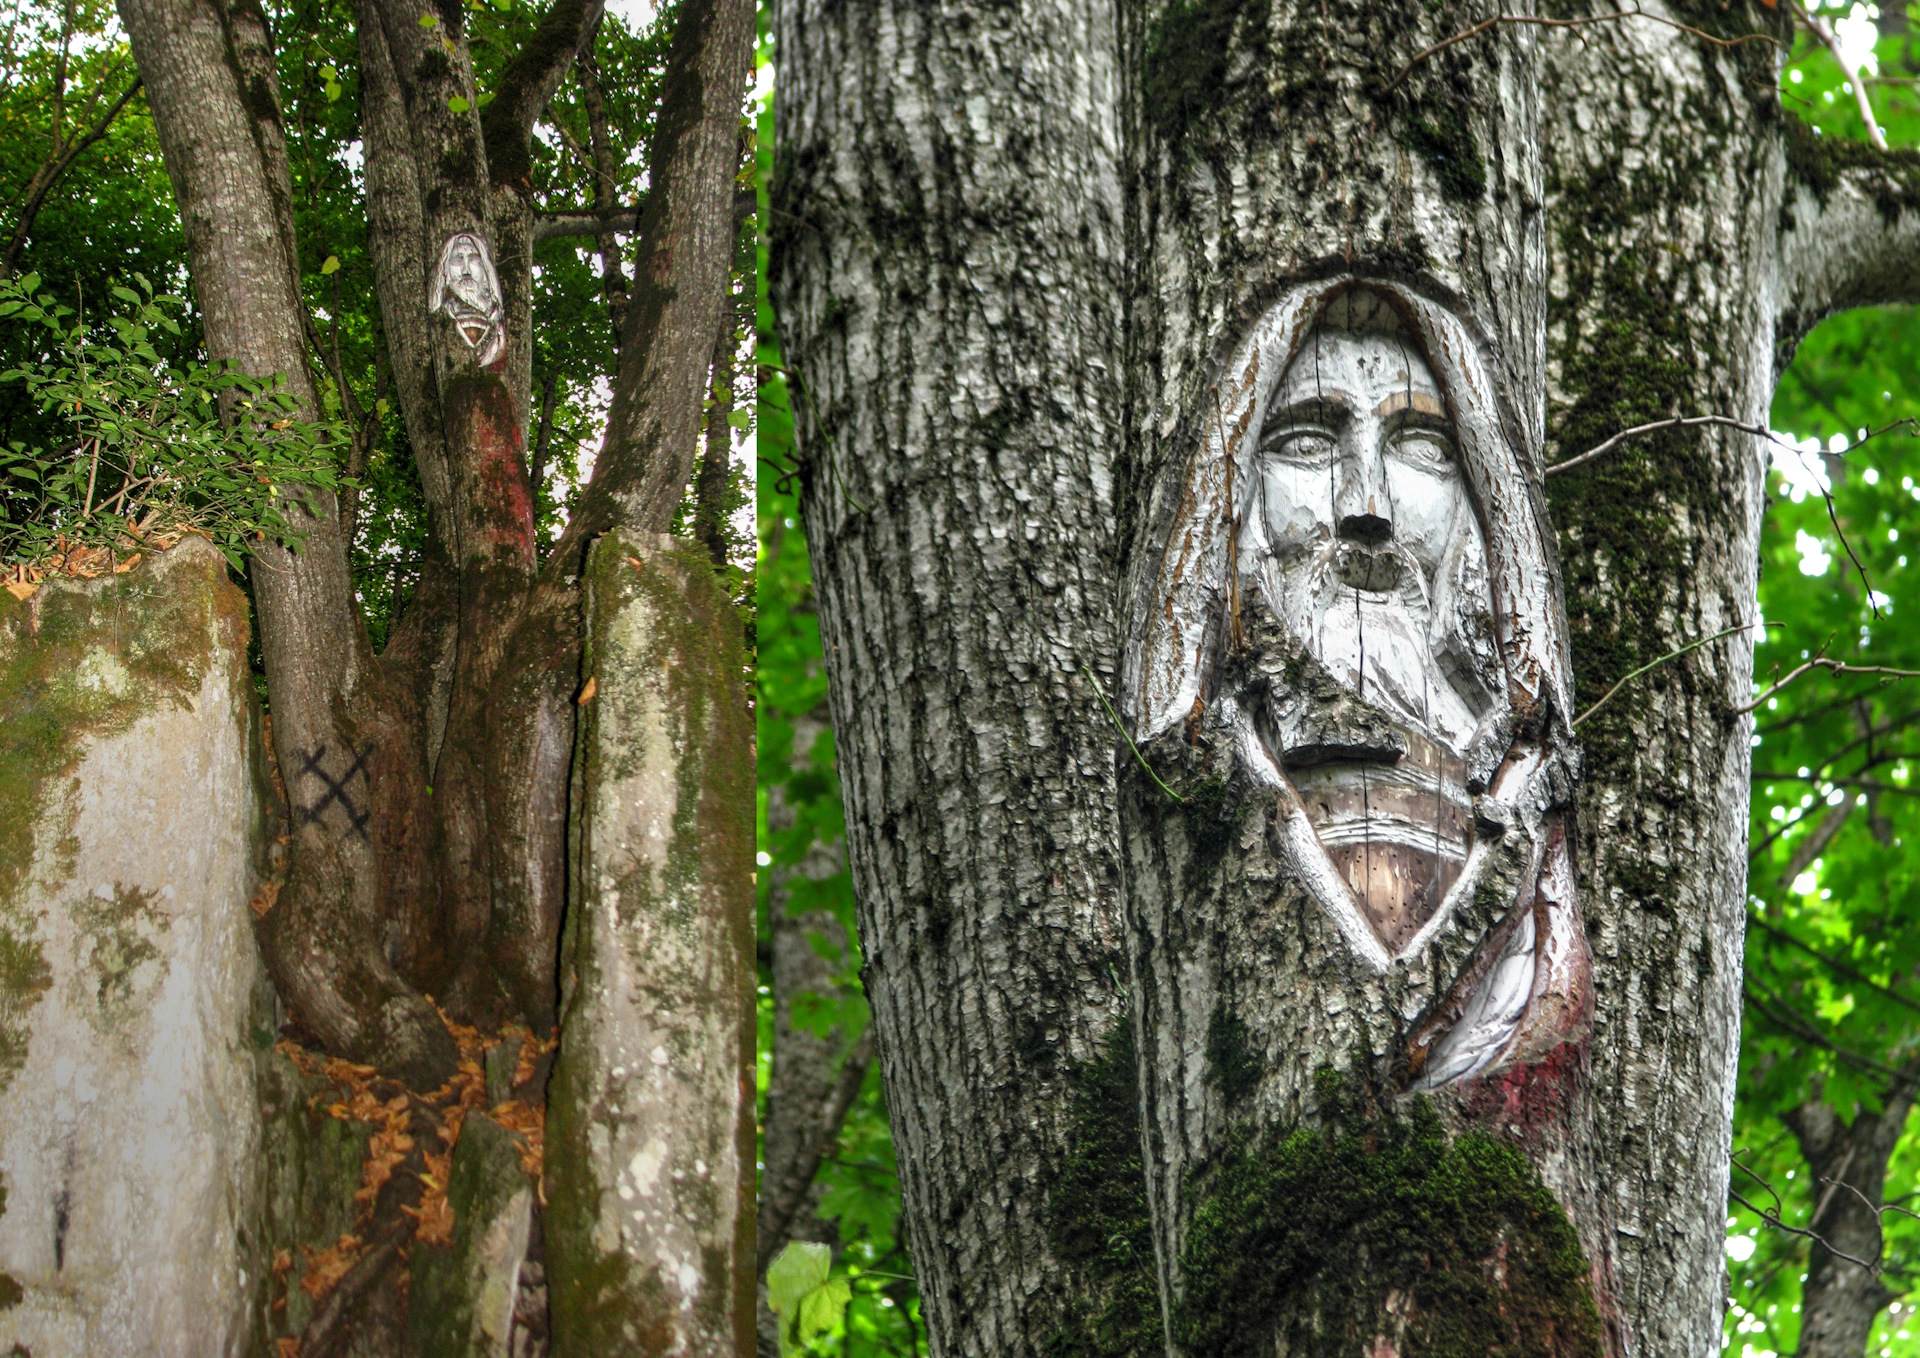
{"type": "Point", "coordinates": [336, 789]}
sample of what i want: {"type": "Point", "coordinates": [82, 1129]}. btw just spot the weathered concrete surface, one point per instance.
{"type": "Point", "coordinates": [129, 981]}
{"type": "Point", "coordinates": [649, 1149]}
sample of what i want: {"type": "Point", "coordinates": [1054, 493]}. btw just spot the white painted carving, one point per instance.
{"type": "Point", "coordinates": [466, 288]}
{"type": "Point", "coordinates": [1358, 480]}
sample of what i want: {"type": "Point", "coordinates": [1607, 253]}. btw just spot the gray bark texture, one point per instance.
{"type": "Point", "coordinates": [1162, 1107]}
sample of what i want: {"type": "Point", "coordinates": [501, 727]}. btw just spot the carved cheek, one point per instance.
{"type": "Point", "coordinates": [1424, 505]}
{"type": "Point", "coordinates": [1295, 507]}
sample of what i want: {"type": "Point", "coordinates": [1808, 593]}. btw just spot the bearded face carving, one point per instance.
{"type": "Point", "coordinates": [1366, 545]}
{"type": "Point", "coordinates": [1357, 592]}
{"type": "Point", "coordinates": [466, 290]}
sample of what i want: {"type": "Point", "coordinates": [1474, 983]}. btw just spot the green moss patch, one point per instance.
{"type": "Point", "coordinates": [1322, 1241]}
{"type": "Point", "coordinates": [1097, 1213]}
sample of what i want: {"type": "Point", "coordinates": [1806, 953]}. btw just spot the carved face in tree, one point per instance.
{"type": "Point", "coordinates": [1366, 545]}
{"type": "Point", "coordinates": [1356, 594]}
{"type": "Point", "coordinates": [467, 290]}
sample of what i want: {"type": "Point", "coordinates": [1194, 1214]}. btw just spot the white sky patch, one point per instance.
{"type": "Point", "coordinates": [1798, 463]}
{"type": "Point", "coordinates": [1857, 34]}
{"type": "Point", "coordinates": [1814, 556]}
{"type": "Point", "coordinates": [1740, 1248]}
{"type": "Point", "coordinates": [637, 15]}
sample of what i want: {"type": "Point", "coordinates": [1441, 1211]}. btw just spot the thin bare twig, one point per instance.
{"type": "Point", "coordinates": [1822, 30]}
{"type": "Point", "coordinates": [1822, 662]}
{"type": "Point", "coordinates": [1129, 739]}
{"type": "Point", "coordinates": [1625, 434]}
{"type": "Point", "coordinates": [1539, 22]}
{"type": "Point", "coordinates": [1670, 655]}
{"type": "Point", "coordinates": [1833, 516]}
{"type": "Point", "coordinates": [1772, 1219]}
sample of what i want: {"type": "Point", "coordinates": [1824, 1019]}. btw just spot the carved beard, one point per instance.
{"type": "Point", "coordinates": [1378, 757]}
{"type": "Point", "coordinates": [1376, 603]}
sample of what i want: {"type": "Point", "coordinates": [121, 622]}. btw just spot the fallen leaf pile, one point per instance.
{"type": "Point", "coordinates": [363, 1096]}
{"type": "Point", "coordinates": [81, 562]}
{"type": "Point", "coordinates": [329, 1266]}
{"type": "Point", "coordinates": [263, 899]}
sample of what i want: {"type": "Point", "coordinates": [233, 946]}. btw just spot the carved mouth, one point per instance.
{"type": "Point", "coordinates": [473, 332]}
{"type": "Point", "coordinates": [1376, 571]}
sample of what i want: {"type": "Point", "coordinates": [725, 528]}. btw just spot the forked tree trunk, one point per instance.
{"type": "Point", "coordinates": [1066, 291]}
{"type": "Point", "coordinates": [429, 786]}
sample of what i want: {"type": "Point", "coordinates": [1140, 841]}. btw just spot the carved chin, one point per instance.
{"type": "Point", "coordinates": [1397, 832]}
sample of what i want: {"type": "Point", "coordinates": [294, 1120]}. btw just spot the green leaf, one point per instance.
{"type": "Point", "coordinates": [331, 264]}
{"type": "Point", "coordinates": [807, 1301]}
{"type": "Point", "coordinates": [458, 103]}
{"type": "Point", "coordinates": [126, 294]}
{"type": "Point", "coordinates": [332, 91]}
{"type": "Point", "coordinates": [429, 21]}
{"type": "Point", "coordinates": [740, 419]}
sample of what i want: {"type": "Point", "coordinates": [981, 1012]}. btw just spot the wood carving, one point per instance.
{"type": "Point", "coordinates": [1356, 592]}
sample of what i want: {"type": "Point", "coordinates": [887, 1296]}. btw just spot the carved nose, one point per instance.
{"type": "Point", "coordinates": [1368, 528]}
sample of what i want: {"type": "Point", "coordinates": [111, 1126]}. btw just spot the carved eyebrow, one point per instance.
{"type": "Point", "coordinates": [1331, 411]}
{"type": "Point", "coordinates": [1416, 404]}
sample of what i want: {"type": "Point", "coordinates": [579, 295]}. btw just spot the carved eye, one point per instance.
{"type": "Point", "coordinates": [1427, 449]}
{"type": "Point", "coordinates": [1299, 447]}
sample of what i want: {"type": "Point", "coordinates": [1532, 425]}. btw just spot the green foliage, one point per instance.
{"type": "Point", "coordinates": [149, 448]}
{"type": "Point", "coordinates": [1833, 937]}
{"type": "Point", "coordinates": [809, 1303]}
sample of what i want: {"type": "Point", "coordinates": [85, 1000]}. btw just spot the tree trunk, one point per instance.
{"type": "Point", "coordinates": [1082, 309]}
{"type": "Point", "coordinates": [429, 786]}
{"type": "Point", "coordinates": [1840, 1299]}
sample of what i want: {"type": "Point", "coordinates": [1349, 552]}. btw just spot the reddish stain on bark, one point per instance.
{"type": "Point", "coordinates": [505, 509]}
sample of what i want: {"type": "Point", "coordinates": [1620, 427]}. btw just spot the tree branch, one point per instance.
{"type": "Point", "coordinates": [776, 1217]}
{"type": "Point", "coordinates": [613, 274]}
{"type": "Point", "coordinates": [687, 243]}
{"type": "Point", "coordinates": [1850, 231]}
{"type": "Point", "coordinates": [1822, 662]}
{"type": "Point", "coordinates": [1824, 32]}
{"type": "Point", "coordinates": [49, 174]}
{"type": "Point", "coordinates": [1486, 25]}
{"type": "Point", "coordinates": [524, 88]}
{"type": "Point", "coordinates": [1772, 1219]}
{"type": "Point", "coordinates": [1569, 463]}
{"type": "Point", "coordinates": [1626, 679]}
{"type": "Point", "coordinates": [589, 222]}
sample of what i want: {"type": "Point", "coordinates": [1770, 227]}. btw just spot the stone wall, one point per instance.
{"type": "Point", "coordinates": [132, 1002]}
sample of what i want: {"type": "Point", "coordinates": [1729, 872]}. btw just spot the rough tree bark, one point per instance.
{"type": "Point", "coordinates": [428, 786]}
{"type": "Point", "coordinates": [1014, 257]}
